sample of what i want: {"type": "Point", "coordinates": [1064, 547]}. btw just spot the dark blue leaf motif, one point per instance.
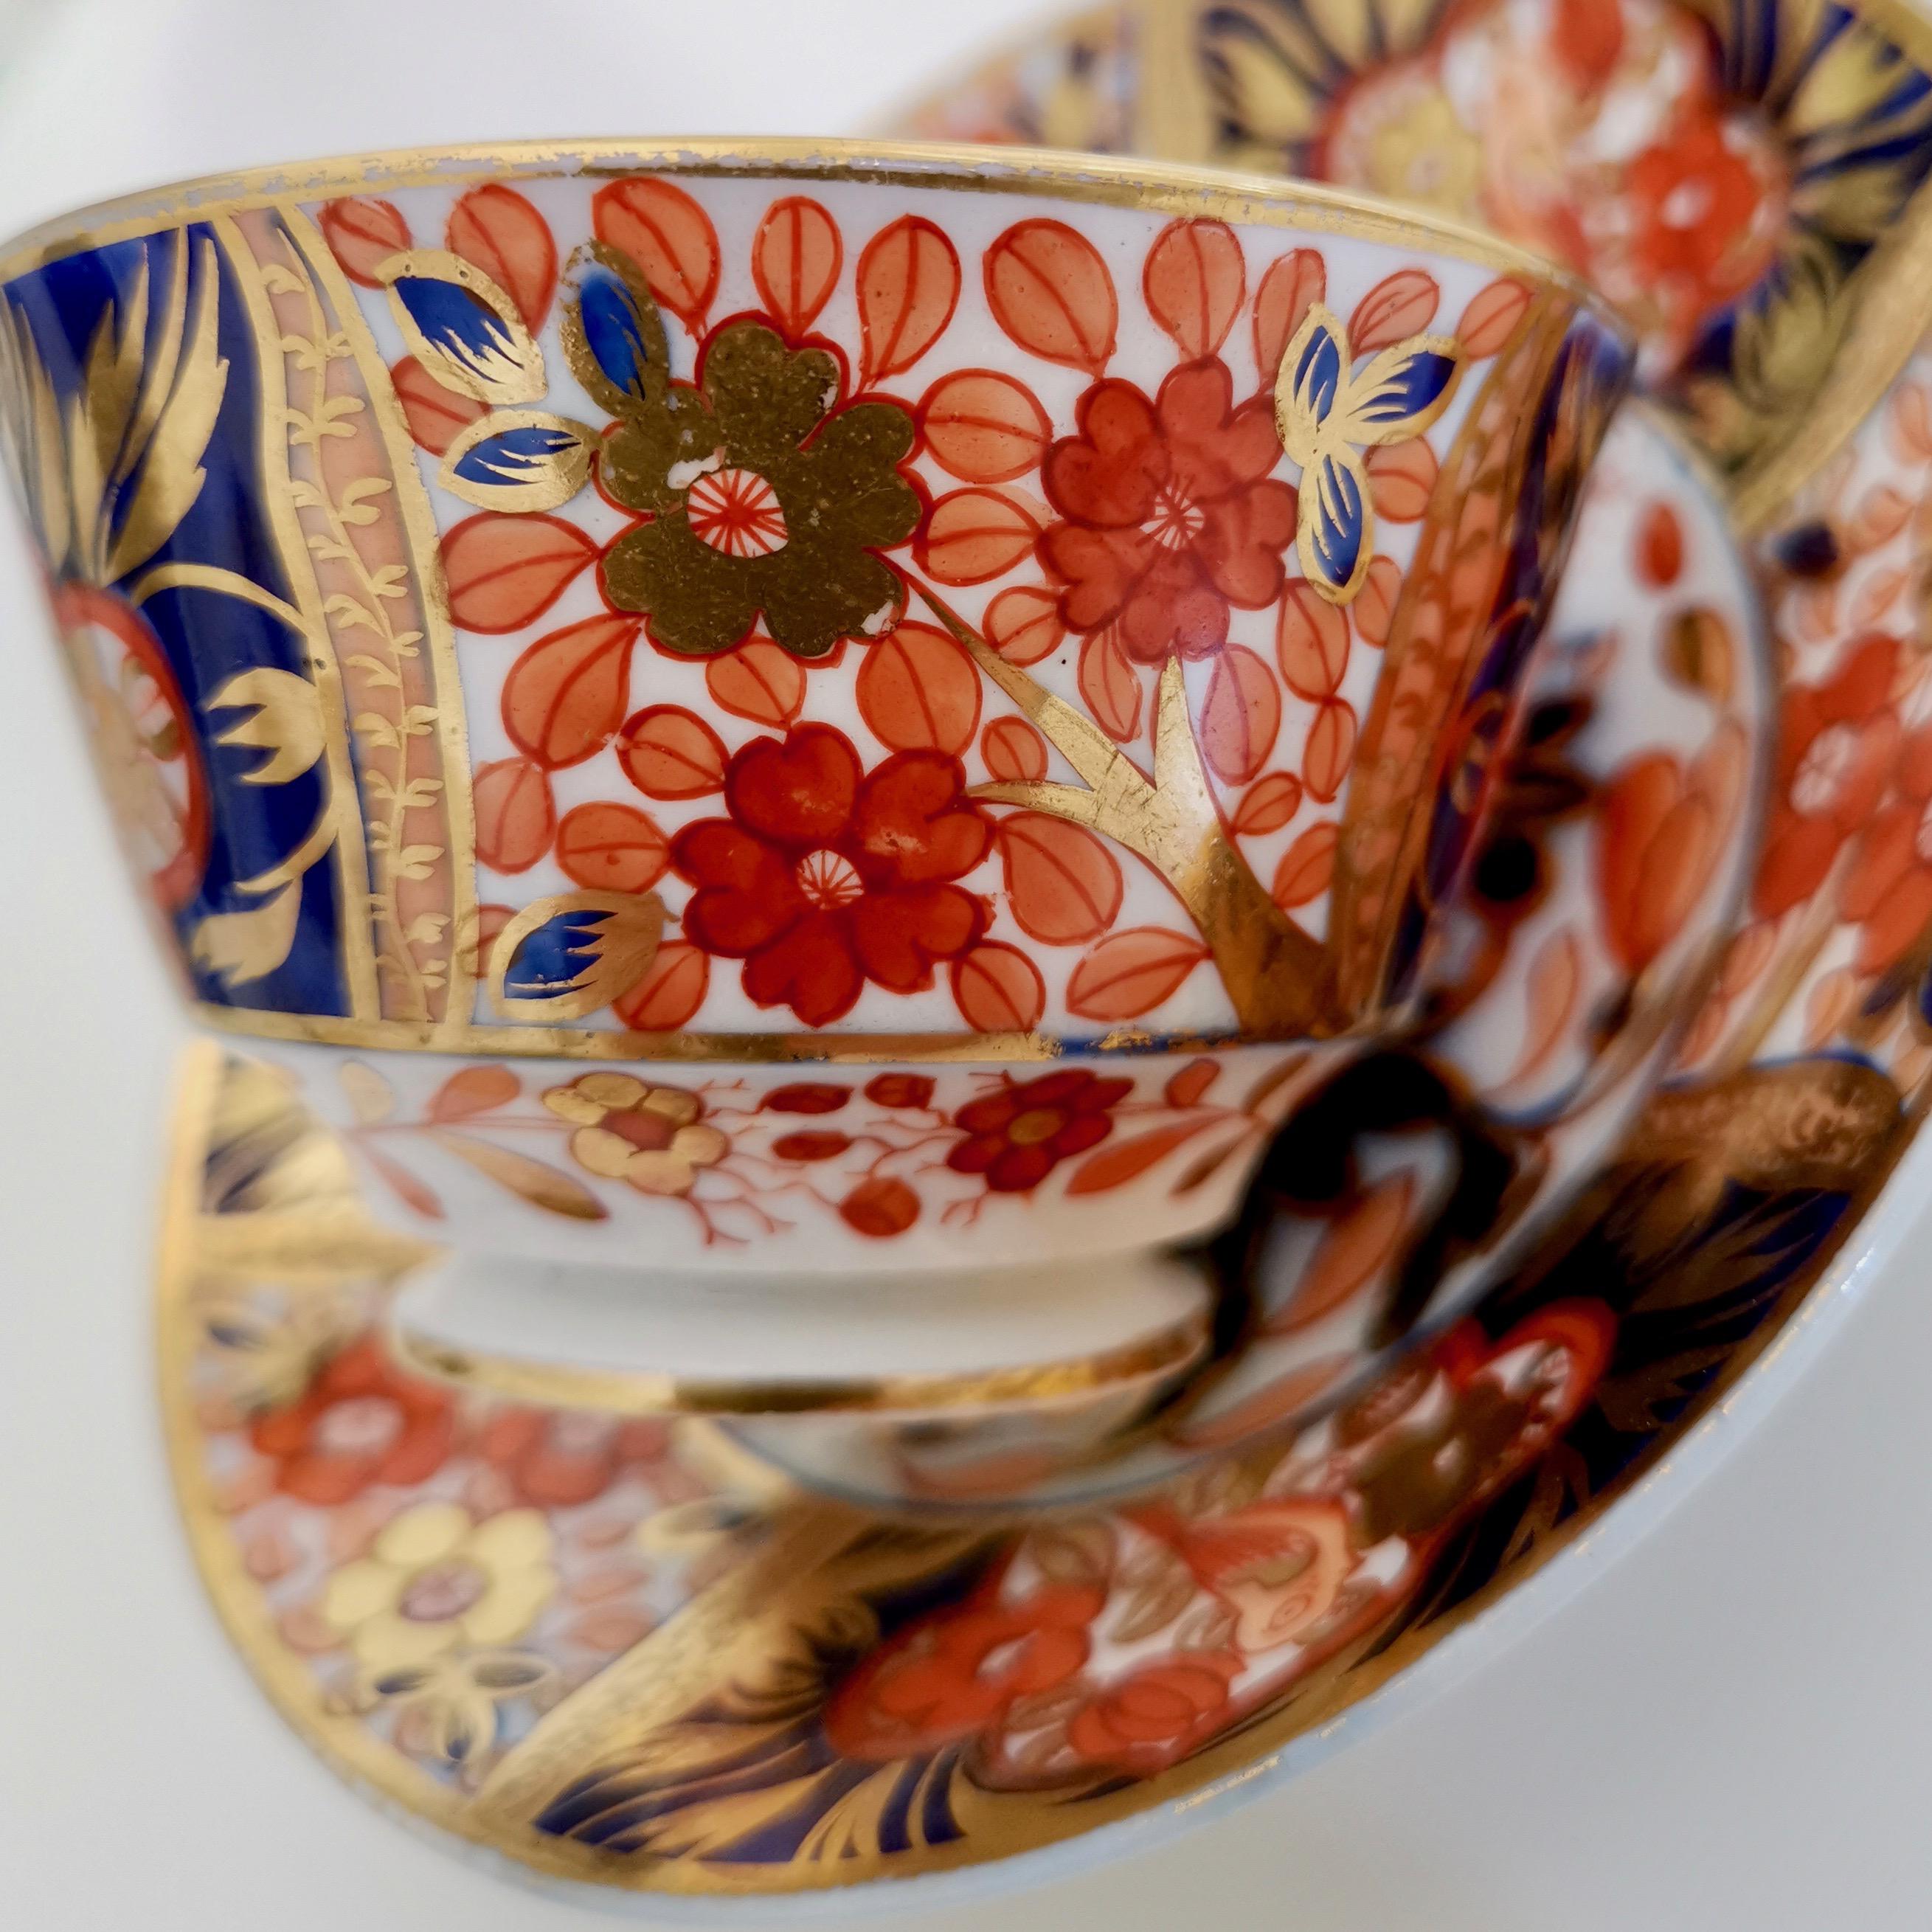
{"type": "Point", "coordinates": [1338, 523]}
{"type": "Point", "coordinates": [1317, 373]}
{"type": "Point", "coordinates": [519, 461]}
{"type": "Point", "coordinates": [1400, 386]}
{"type": "Point", "coordinates": [616, 332]}
{"type": "Point", "coordinates": [455, 320]}
{"type": "Point", "coordinates": [548, 962]}
{"type": "Point", "coordinates": [515, 455]}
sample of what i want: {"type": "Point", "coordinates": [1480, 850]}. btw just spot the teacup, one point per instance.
{"type": "Point", "coordinates": [796, 707]}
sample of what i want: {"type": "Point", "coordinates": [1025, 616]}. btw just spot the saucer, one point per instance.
{"type": "Point", "coordinates": [619, 1653]}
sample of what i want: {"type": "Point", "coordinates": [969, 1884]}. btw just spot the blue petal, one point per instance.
{"type": "Point", "coordinates": [513, 455]}
{"type": "Point", "coordinates": [1338, 520]}
{"type": "Point", "coordinates": [550, 960]}
{"type": "Point", "coordinates": [453, 318]}
{"type": "Point", "coordinates": [1406, 389]}
{"type": "Point", "coordinates": [616, 332]}
{"type": "Point", "coordinates": [1318, 374]}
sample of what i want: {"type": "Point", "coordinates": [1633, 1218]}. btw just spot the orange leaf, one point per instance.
{"type": "Point", "coordinates": [435, 415]}
{"type": "Point", "coordinates": [667, 752]}
{"type": "Point", "coordinates": [919, 692]}
{"type": "Point", "coordinates": [796, 257]}
{"type": "Point", "coordinates": [1130, 973]}
{"type": "Point", "coordinates": [908, 288]}
{"type": "Point", "coordinates": [1398, 306]}
{"type": "Point", "coordinates": [982, 426]}
{"type": "Point", "coordinates": [1331, 749]}
{"type": "Point", "coordinates": [670, 992]}
{"type": "Point", "coordinates": [1111, 685]}
{"type": "Point", "coordinates": [1023, 624]}
{"type": "Point", "coordinates": [504, 572]}
{"type": "Point", "coordinates": [1312, 642]}
{"type": "Point", "coordinates": [1878, 594]}
{"type": "Point", "coordinates": [668, 235]}
{"type": "Point", "coordinates": [408, 1190]}
{"type": "Point", "coordinates": [1050, 291]}
{"type": "Point", "coordinates": [1883, 513]}
{"type": "Point", "coordinates": [1555, 978]}
{"type": "Point", "coordinates": [516, 816]}
{"type": "Point", "coordinates": [1351, 1254]}
{"type": "Point", "coordinates": [495, 228]}
{"type": "Point", "coordinates": [1375, 602]}
{"type": "Point", "coordinates": [1189, 1087]}
{"type": "Point", "coordinates": [563, 700]}
{"type": "Point", "coordinates": [606, 847]}
{"type": "Point", "coordinates": [1401, 475]}
{"type": "Point", "coordinates": [760, 680]}
{"type": "Point", "coordinates": [1829, 1006]}
{"type": "Point", "coordinates": [1240, 716]}
{"type": "Point", "coordinates": [491, 920]}
{"type": "Point", "coordinates": [1306, 868]}
{"type": "Point", "coordinates": [1115, 1165]}
{"type": "Point", "coordinates": [1269, 805]}
{"type": "Point", "coordinates": [1014, 752]}
{"type": "Point", "coordinates": [1491, 318]}
{"type": "Point", "coordinates": [1660, 546]}
{"type": "Point", "coordinates": [1063, 885]}
{"type": "Point", "coordinates": [473, 1090]}
{"type": "Point", "coordinates": [1195, 282]}
{"type": "Point", "coordinates": [1290, 288]}
{"type": "Point", "coordinates": [998, 989]}
{"type": "Point", "coordinates": [976, 535]}
{"type": "Point", "coordinates": [880, 1207]}
{"type": "Point", "coordinates": [363, 232]}
{"type": "Point", "coordinates": [1912, 421]}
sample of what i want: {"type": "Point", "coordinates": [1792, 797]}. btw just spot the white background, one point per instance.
{"type": "Point", "coordinates": [1729, 1726]}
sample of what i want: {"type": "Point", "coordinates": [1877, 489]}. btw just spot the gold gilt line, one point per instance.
{"type": "Point", "coordinates": [589, 1043]}
{"type": "Point", "coordinates": [359, 957]}
{"type": "Point", "coordinates": [1160, 187]}
{"type": "Point", "coordinates": [1892, 295]}
{"type": "Point", "coordinates": [420, 528]}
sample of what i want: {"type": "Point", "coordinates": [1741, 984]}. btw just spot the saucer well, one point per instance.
{"type": "Point", "coordinates": [623, 1653]}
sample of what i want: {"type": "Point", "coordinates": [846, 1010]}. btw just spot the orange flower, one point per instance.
{"type": "Point", "coordinates": [555, 1458]}
{"type": "Point", "coordinates": [359, 1422]}
{"type": "Point", "coordinates": [1661, 829]}
{"type": "Point", "coordinates": [1158, 1713]}
{"type": "Point", "coordinates": [1837, 742]}
{"type": "Point", "coordinates": [1703, 197]}
{"type": "Point", "coordinates": [951, 1675]}
{"type": "Point", "coordinates": [1888, 890]}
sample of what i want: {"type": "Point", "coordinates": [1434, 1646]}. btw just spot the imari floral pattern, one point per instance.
{"type": "Point", "coordinates": [692, 607]}
{"type": "Point", "coordinates": [652, 1654]}
{"type": "Point", "coordinates": [1723, 169]}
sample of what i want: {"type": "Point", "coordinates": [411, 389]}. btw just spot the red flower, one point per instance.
{"type": "Point", "coordinates": [1702, 228]}
{"type": "Point", "coordinates": [1157, 1714]}
{"type": "Point", "coordinates": [1017, 1135]}
{"type": "Point", "coordinates": [555, 1458]}
{"type": "Point", "coordinates": [1888, 890]}
{"type": "Point", "coordinates": [359, 1422]}
{"type": "Point", "coordinates": [824, 877]}
{"type": "Point", "coordinates": [1171, 515]}
{"type": "Point", "coordinates": [960, 1671]}
{"type": "Point", "coordinates": [1836, 744]}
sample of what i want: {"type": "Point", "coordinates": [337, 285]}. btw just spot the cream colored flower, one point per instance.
{"type": "Point", "coordinates": [436, 1580]}
{"type": "Point", "coordinates": [650, 1136]}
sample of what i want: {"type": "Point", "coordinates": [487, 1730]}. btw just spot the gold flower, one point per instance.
{"type": "Point", "coordinates": [436, 1580]}
{"type": "Point", "coordinates": [650, 1136]}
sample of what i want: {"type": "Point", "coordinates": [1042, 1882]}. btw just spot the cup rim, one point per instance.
{"type": "Point", "coordinates": [1234, 195]}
